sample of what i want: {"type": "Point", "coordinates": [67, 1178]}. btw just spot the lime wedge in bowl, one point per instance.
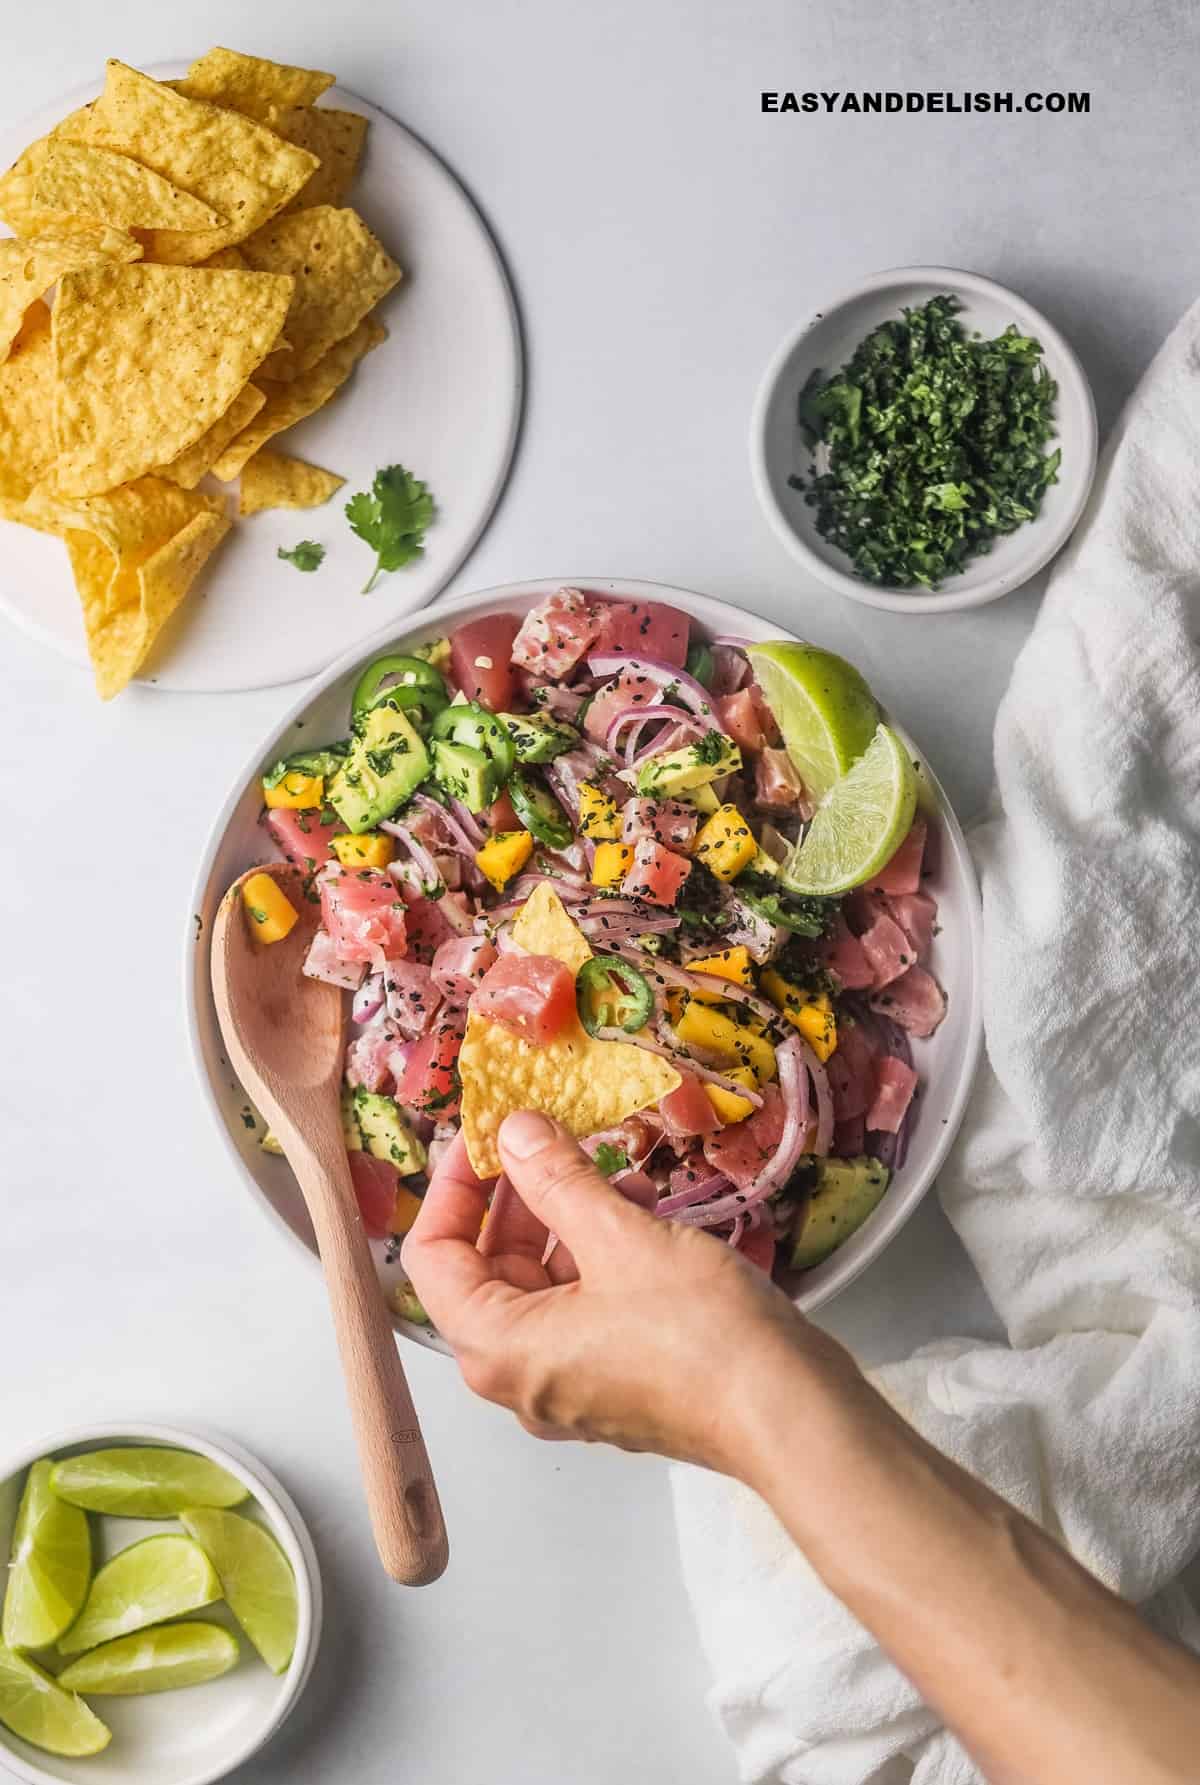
{"type": "Point", "coordinates": [822, 705]}
{"type": "Point", "coordinates": [860, 824]}
{"type": "Point", "coordinates": [157, 1660]}
{"type": "Point", "coordinates": [145, 1481]}
{"type": "Point", "coordinates": [35, 1707]}
{"type": "Point", "coordinates": [151, 1581]}
{"type": "Point", "coordinates": [256, 1579]}
{"type": "Point", "coordinates": [51, 1566]}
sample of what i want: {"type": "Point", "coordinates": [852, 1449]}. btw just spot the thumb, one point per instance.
{"type": "Point", "coordinates": [559, 1183]}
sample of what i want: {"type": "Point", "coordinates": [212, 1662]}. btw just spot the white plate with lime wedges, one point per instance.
{"type": "Point", "coordinates": [829, 720]}
{"type": "Point", "coordinates": [161, 1611]}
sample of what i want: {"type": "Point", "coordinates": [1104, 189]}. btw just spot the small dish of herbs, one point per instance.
{"type": "Point", "coordinates": [927, 442]}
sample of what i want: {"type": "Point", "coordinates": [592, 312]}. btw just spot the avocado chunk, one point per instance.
{"type": "Point", "coordinates": [464, 773]}
{"type": "Point", "coordinates": [538, 738]}
{"type": "Point", "coordinates": [683, 771]}
{"type": "Point", "coordinates": [407, 1304]}
{"type": "Point", "coordinates": [387, 762]}
{"type": "Point", "coordinates": [847, 1191]}
{"type": "Point", "coordinates": [386, 1133]}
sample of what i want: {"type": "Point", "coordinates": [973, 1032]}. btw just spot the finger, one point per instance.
{"type": "Point", "coordinates": [556, 1180]}
{"type": "Point", "coordinates": [560, 1262]}
{"type": "Point", "coordinates": [548, 1434]}
{"type": "Point", "coordinates": [512, 1228]}
{"type": "Point", "coordinates": [439, 1252]}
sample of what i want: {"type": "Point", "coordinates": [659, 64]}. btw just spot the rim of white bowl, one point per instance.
{"type": "Point", "coordinates": [849, 1262]}
{"type": "Point", "coordinates": [287, 1525]}
{"type": "Point", "coordinates": [946, 600]}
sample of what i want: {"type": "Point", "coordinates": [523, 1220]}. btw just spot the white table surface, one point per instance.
{"type": "Point", "coordinates": [663, 234]}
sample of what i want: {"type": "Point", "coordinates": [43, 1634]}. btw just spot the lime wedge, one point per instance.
{"type": "Point", "coordinates": [256, 1579]}
{"type": "Point", "coordinates": [824, 709]}
{"type": "Point", "coordinates": [144, 1482]}
{"type": "Point", "coordinates": [50, 1568]}
{"type": "Point", "coordinates": [156, 1579]}
{"type": "Point", "coordinates": [154, 1661]}
{"type": "Point", "coordinates": [860, 825]}
{"type": "Point", "coordinates": [36, 1708]}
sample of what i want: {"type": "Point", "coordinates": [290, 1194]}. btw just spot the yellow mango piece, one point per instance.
{"type": "Point", "coordinates": [369, 849]}
{"type": "Point", "coordinates": [812, 1014]}
{"type": "Point", "coordinates": [729, 1107]}
{"type": "Point", "coordinates": [702, 1027]}
{"type": "Point", "coordinates": [296, 792]}
{"type": "Point", "coordinates": [731, 963]}
{"type": "Point", "coordinates": [613, 861]}
{"type": "Point", "coordinates": [504, 855]}
{"type": "Point", "coordinates": [726, 843]}
{"type": "Point", "coordinates": [269, 910]}
{"type": "Point", "coordinates": [599, 817]}
{"type": "Point", "coordinates": [408, 1207]}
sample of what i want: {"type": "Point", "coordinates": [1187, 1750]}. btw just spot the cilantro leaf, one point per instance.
{"type": "Point", "coordinates": [801, 913]}
{"type": "Point", "coordinates": [305, 556]}
{"type": "Point", "coordinates": [391, 519]}
{"type": "Point", "coordinates": [609, 1159]}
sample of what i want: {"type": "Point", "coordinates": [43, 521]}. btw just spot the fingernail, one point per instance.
{"type": "Point", "coordinates": [526, 1133]}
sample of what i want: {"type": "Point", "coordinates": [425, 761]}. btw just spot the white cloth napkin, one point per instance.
{"type": "Point", "coordinates": [1075, 1185]}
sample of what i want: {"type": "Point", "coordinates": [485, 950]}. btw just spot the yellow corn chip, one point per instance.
{"type": "Point", "coordinates": [289, 403]}
{"type": "Point", "coordinates": [192, 465]}
{"type": "Point", "coordinates": [251, 84]}
{"type": "Point", "coordinates": [147, 358]}
{"type": "Point", "coordinates": [85, 180]}
{"type": "Point", "coordinates": [236, 166]}
{"type": "Point", "coordinates": [17, 186]}
{"type": "Point", "coordinates": [336, 137]}
{"type": "Point", "coordinates": [134, 553]}
{"type": "Point", "coordinates": [341, 272]}
{"type": "Point", "coordinates": [583, 1083]}
{"type": "Point", "coordinates": [26, 411]}
{"type": "Point", "coordinates": [273, 480]}
{"type": "Point", "coordinates": [229, 260]}
{"type": "Point", "coordinates": [29, 269]}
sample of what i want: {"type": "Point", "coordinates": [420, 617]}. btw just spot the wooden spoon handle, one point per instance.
{"type": "Point", "coordinates": [406, 1515]}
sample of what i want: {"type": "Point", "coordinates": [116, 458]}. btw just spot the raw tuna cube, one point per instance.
{"type": "Point", "coordinates": [668, 821]}
{"type": "Point", "coordinates": [903, 873]}
{"type": "Point", "coordinates": [915, 1001]}
{"type": "Point", "coordinates": [887, 948]}
{"type": "Point", "coordinates": [324, 961]}
{"type": "Point", "coordinates": [555, 634]}
{"type": "Point", "coordinates": [656, 873]}
{"type": "Point", "coordinates": [643, 628]}
{"type": "Point", "coordinates": [894, 1085]}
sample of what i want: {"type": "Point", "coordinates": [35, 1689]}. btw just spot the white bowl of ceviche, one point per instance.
{"type": "Point", "coordinates": [820, 1074]}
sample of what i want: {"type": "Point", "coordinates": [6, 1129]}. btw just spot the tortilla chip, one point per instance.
{"type": "Point", "coordinates": [27, 447]}
{"type": "Point", "coordinates": [29, 269]}
{"type": "Point", "coordinates": [228, 260]}
{"type": "Point", "coordinates": [199, 459]}
{"type": "Point", "coordinates": [147, 358]}
{"type": "Point", "coordinates": [273, 480]}
{"type": "Point", "coordinates": [135, 553]}
{"type": "Point", "coordinates": [289, 403]}
{"type": "Point", "coordinates": [85, 180]}
{"type": "Point", "coordinates": [251, 84]}
{"type": "Point", "coordinates": [18, 185]}
{"type": "Point", "coordinates": [341, 272]}
{"type": "Point", "coordinates": [336, 137]}
{"type": "Point", "coordinates": [234, 165]}
{"type": "Point", "coordinates": [585, 1084]}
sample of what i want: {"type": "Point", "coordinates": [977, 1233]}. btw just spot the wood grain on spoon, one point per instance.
{"type": "Point", "coordinates": [285, 1034]}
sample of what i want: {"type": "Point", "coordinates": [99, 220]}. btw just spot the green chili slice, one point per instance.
{"type": "Point", "coordinates": [540, 812]}
{"type": "Point", "coordinates": [469, 723]}
{"type": "Point", "coordinates": [308, 762]}
{"type": "Point", "coordinates": [610, 994]}
{"type": "Point", "coordinates": [415, 684]}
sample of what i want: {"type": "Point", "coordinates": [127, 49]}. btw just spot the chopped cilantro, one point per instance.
{"type": "Point", "coordinates": [935, 445]}
{"type": "Point", "coordinates": [712, 748]}
{"type": "Point", "coordinates": [392, 519]}
{"type": "Point", "coordinates": [308, 555]}
{"type": "Point", "coordinates": [800, 913]}
{"type": "Point", "coordinates": [609, 1159]}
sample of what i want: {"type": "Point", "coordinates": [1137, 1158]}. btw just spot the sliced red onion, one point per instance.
{"type": "Point", "coordinates": [712, 983]}
{"type": "Point", "coordinates": [699, 1191]}
{"type": "Point", "coordinates": [466, 819]}
{"type": "Point", "coordinates": [663, 675]}
{"type": "Point", "coordinates": [638, 716]}
{"type": "Point", "coordinates": [820, 1079]}
{"type": "Point", "coordinates": [565, 787]}
{"type": "Point", "coordinates": [368, 999]}
{"type": "Point", "coordinates": [793, 1084]}
{"type": "Point", "coordinates": [426, 866]}
{"type": "Point", "coordinates": [733, 639]}
{"type": "Point", "coordinates": [739, 1228]}
{"type": "Point", "coordinates": [570, 888]}
{"type": "Point", "coordinates": [467, 841]}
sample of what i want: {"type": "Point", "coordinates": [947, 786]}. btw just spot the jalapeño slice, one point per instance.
{"type": "Point", "coordinates": [472, 725]}
{"type": "Point", "coordinates": [409, 681]}
{"type": "Point", "coordinates": [610, 994]}
{"type": "Point", "coordinates": [540, 812]}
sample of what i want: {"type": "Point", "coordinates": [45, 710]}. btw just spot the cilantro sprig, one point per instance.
{"type": "Point", "coordinates": [936, 445]}
{"type": "Point", "coordinates": [610, 1159]}
{"type": "Point", "coordinates": [391, 519]}
{"type": "Point", "coordinates": [308, 555]}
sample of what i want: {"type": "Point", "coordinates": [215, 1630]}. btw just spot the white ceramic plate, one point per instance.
{"type": "Point", "coordinates": [199, 1734]}
{"type": "Point", "coordinates": [442, 396]}
{"type": "Point", "coordinates": [778, 449]}
{"type": "Point", "coordinates": [946, 1062]}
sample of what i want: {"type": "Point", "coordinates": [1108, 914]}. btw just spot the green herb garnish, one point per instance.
{"type": "Point", "coordinates": [308, 555]}
{"type": "Point", "coordinates": [801, 913]}
{"type": "Point", "coordinates": [609, 1159]}
{"type": "Point", "coordinates": [936, 445]}
{"type": "Point", "coordinates": [392, 519]}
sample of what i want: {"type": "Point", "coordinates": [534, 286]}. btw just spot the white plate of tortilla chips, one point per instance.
{"type": "Point", "coordinates": [233, 296]}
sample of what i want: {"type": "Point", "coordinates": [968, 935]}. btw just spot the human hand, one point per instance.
{"type": "Point", "coordinates": [640, 1332]}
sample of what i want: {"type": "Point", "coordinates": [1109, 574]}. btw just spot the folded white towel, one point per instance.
{"type": "Point", "coordinates": [1075, 1186]}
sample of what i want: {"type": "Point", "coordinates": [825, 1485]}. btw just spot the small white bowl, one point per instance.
{"type": "Point", "coordinates": [946, 1061]}
{"type": "Point", "coordinates": [778, 449]}
{"type": "Point", "coordinates": [197, 1735]}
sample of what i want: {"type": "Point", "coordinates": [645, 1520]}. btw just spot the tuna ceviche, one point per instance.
{"type": "Point", "coordinates": [587, 830]}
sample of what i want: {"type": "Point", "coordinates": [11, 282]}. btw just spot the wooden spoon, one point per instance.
{"type": "Point", "coordinates": [285, 1034]}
